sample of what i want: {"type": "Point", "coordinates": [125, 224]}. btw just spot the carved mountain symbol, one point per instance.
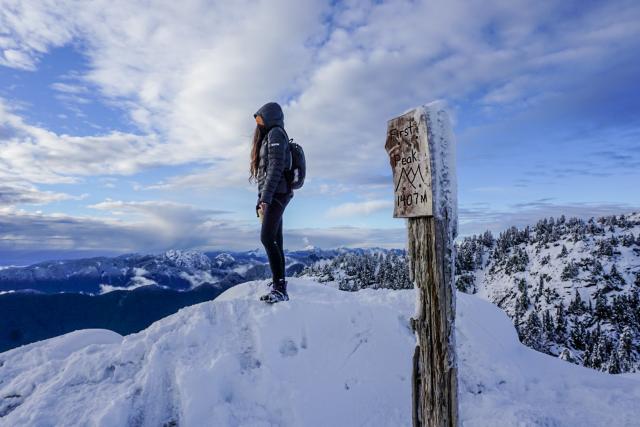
{"type": "Point", "coordinates": [409, 175]}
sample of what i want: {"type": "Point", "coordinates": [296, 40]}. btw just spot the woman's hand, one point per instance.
{"type": "Point", "coordinates": [260, 208]}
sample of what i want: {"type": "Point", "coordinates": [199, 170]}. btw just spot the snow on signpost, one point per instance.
{"type": "Point", "coordinates": [421, 151]}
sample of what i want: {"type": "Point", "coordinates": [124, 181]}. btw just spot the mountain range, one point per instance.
{"type": "Point", "coordinates": [126, 293]}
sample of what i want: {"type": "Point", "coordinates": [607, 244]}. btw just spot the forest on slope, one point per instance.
{"type": "Point", "coordinates": [570, 286]}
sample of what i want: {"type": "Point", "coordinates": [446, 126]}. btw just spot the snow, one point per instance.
{"type": "Point", "coordinates": [224, 259]}
{"type": "Point", "coordinates": [190, 260]}
{"type": "Point", "coordinates": [442, 149]}
{"type": "Point", "coordinates": [493, 282]}
{"type": "Point", "coordinates": [501, 379]}
{"type": "Point", "coordinates": [198, 277]}
{"type": "Point", "coordinates": [326, 357]}
{"type": "Point", "coordinates": [137, 281]}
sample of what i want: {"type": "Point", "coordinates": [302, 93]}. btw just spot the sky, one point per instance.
{"type": "Point", "coordinates": [125, 126]}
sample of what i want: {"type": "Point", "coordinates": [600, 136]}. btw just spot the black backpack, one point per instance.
{"type": "Point", "coordinates": [297, 169]}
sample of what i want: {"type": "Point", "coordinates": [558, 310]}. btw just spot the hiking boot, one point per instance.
{"type": "Point", "coordinates": [270, 287]}
{"type": "Point", "coordinates": [278, 293]}
{"type": "Point", "coordinates": [275, 296]}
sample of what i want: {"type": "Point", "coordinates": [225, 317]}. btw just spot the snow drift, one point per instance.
{"type": "Point", "coordinates": [327, 357]}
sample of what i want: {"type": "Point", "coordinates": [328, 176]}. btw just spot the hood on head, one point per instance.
{"type": "Point", "coordinates": [271, 114]}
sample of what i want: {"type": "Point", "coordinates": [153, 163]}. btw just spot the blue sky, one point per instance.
{"type": "Point", "coordinates": [126, 126]}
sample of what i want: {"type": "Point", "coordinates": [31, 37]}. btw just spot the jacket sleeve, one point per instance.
{"type": "Point", "coordinates": [277, 152]}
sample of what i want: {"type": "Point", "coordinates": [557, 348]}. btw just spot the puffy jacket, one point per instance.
{"type": "Point", "coordinates": [274, 153]}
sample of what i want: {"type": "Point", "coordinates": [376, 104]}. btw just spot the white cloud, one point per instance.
{"type": "Point", "coordinates": [191, 74]}
{"type": "Point", "coordinates": [37, 155]}
{"type": "Point", "coordinates": [475, 220]}
{"type": "Point", "coordinates": [30, 29]}
{"type": "Point", "coordinates": [17, 59]}
{"type": "Point", "coordinates": [158, 226]}
{"type": "Point", "coordinates": [69, 88]}
{"type": "Point", "coordinates": [352, 209]}
{"type": "Point", "coordinates": [12, 193]}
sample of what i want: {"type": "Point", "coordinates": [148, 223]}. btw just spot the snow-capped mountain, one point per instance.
{"type": "Point", "coordinates": [224, 260]}
{"type": "Point", "coordinates": [326, 357]}
{"type": "Point", "coordinates": [188, 260]}
{"type": "Point", "coordinates": [109, 292]}
{"type": "Point", "coordinates": [572, 287]}
{"type": "Point", "coordinates": [174, 269]}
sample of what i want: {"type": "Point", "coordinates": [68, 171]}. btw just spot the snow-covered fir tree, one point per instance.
{"type": "Point", "coordinates": [359, 270]}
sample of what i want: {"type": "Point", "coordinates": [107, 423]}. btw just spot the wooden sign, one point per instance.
{"type": "Point", "coordinates": [408, 151]}
{"type": "Point", "coordinates": [421, 150]}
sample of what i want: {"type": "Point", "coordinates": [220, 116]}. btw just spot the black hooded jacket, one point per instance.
{"type": "Point", "coordinates": [274, 153]}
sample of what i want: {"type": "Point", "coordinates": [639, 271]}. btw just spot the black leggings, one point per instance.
{"type": "Point", "coordinates": [271, 234]}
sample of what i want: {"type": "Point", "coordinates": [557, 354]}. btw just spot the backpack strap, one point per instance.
{"type": "Point", "coordinates": [289, 140]}
{"type": "Point", "coordinates": [290, 166]}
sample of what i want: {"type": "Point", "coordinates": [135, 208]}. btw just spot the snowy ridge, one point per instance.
{"type": "Point", "coordinates": [571, 286]}
{"type": "Point", "coordinates": [327, 357]}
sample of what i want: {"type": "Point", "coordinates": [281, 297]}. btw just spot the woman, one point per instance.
{"type": "Point", "coordinates": [270, 156]}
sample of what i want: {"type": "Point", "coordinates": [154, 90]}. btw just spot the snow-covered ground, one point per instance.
{"type": "Point", "coordinates": [326, 357]}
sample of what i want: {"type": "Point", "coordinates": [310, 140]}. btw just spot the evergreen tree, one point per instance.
{"type": "Point", "coordinates": [576, 306]}
{"type": "Point", "coordinates": [532, 333]}
{"type": "Point", "coordinates": [613, 365]}
{"type": "Point", "coordinates": [624, 349]}
{"type": "Point", "coordinates": [615, 281]}
{"type": "Point", "coordinates": [597, 268]}
{"type": "Point", "coordinates": [548, 326]}
{"type": "Point", "coordinates": [560, 323]}
{"type": "Point", "coordinates": [602, 308]}
{"type": "Point", "coordinates": [570, 271]}
{"type": "Point", "coordinates": [628, 240]}
{"type": "Point", "coordinates": [540, 290]}
{"type": "Point", "coordinates": [564, 252]}
{"type": "Point", "coordinates": [487, 239]}
{"type": "Point", "coordinates": [600, 352]}
{"type": "Point", "coordinates": [577, 334]}
{"type": "Point", "coordinates": [517, 262]}
{"type": "Point", "coordinates": [522, 304]}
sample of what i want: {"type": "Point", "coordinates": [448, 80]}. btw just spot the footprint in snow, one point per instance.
{"type": "Point", "coordinates": [288, 348]}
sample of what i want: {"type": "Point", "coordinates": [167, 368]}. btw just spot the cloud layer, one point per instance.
{"type": "Point", "coordinates": [190, 74]}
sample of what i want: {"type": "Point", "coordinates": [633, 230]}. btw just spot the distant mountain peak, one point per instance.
{"type": "Point", "coordinates": [188, 259]}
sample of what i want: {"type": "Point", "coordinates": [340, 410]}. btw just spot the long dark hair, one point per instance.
{"type": "Point", "coordinates": [255, 153]}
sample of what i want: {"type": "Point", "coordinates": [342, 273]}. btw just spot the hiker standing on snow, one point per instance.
{"type": "Point", "coordinates": [270, 156]}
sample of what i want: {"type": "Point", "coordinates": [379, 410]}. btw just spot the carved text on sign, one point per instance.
{"type": "Point", "coordinates": [409, 158]}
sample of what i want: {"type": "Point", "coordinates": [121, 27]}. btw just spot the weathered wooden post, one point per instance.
{"type": "Point", "coordinates": [421, 151]}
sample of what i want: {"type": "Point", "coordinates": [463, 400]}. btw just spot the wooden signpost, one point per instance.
{"type": "Point", "coordinates": [421, 152]}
